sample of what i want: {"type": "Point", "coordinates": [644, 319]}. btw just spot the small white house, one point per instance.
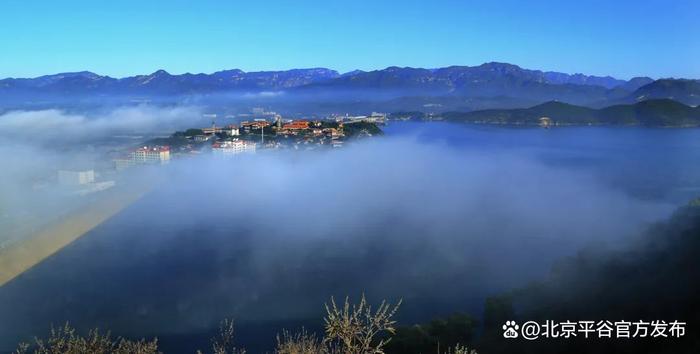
{"type": "Point", "coordinates": [75, 178]}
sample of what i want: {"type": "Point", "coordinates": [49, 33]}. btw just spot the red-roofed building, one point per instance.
{"type": "Point", "coordinates": [297, 125]}
{"type": "Point", "coordinates": [255, 124]}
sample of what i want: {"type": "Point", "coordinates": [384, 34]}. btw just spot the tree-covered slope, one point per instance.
{"type": "Point", "coordinates": [655, 113]}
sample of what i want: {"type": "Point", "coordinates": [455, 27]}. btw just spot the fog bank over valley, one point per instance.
{"type": "Point", "coordinates": [53, 126]}
{"type": "Point", "coordinates": [267, 237]}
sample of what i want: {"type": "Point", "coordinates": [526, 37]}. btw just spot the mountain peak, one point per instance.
{"type": "Point", "coordinates": [160, 72]}
{"type": "Point", "coordinates": [353, 72]}
{"type": "Point", "coordinates": [499, 65]}
{"type": "Point", "coordinates": [85, 73]}
{"type": "Point", "coordinates": [552, 104]}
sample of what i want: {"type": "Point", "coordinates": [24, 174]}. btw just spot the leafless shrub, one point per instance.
{"type": "Point", "coordinates": [352, 329]}
{"type": "Point", "coordinates": [22, 348]}
{"type": "Point", "coordinates": [458, 349]}
{"type": "Point", "coordinates": [65, 340]}
{"type": "Point", "coordinates": [299, 343]}
{"type": "Point", "coordinates": [357, 329]}
{"type": "Point", "coordinates": [223, 342]}
{"type": "Point", "coordinates": [137, 347]}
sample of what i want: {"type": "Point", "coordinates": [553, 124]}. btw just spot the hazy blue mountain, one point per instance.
{"type": "Point", "coordinates": [636, 82]}
{"type": "Point", "coordinates": [682, 90]}
{"type": "Point", "coordinates": [655, 112]}
{"type": "Point", "coordinates": [486, 80]}
{"type": "Point", "coordinates": [48, 80]}
{"type": "Point", "coordinates": [490, 85]}
{"type": "Point", "coordinates": [491, 78]}
{"type": "Point", "coordinates": [162, 82]}
{"type": "Point", "coordinates": [275, 79]}
{"type": "Point", "coordinates": [83, 81]}
{"type": "Point", "coordinates": [352, 73]}
{"type": "Point", "coordinates": [580, 79]}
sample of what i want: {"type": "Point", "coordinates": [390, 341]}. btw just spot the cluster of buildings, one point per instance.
{"type": "Point", "coordinates": [209, 133]}
{"type": "Point", "coordinates": [227, 140]}
{"type": "Point", "coordinates": [249, 126]}
{"type": "Point", "coordinates": [309, 133]}
{"type": "Point", "coordinates": [294, 132]}
{"type": "Point", "coordinates": [249, 136]}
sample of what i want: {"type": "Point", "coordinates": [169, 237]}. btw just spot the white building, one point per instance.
{"type": "Point", "coordinates": [201, 138]}
{"type": "Point", "coordinates": [144, 155]}
{"type": "Point", "coordinates": [152, 154]}
{"type": "Point", "coordinates": [212, 130]}
{"type": "Point", "coordinates": [232, 147]}
{"type": "Point", "coordinates": [232, 130]}
{"type": "Point", "coordinates": [75, 178]}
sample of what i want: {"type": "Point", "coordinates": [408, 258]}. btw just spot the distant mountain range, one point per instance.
{"type": "Point", "coordinates": [490, 85]}
{"type": "Point", "coordinates": [161, 82]}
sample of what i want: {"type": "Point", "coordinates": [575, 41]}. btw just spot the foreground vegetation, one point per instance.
{"type": "Point", "coordinates": [349, 329]}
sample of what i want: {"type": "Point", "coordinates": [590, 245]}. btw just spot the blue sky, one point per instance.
{"type": "Point", "coordinates": [119, 38]}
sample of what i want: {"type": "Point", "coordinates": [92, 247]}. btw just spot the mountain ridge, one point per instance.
{"type": "Point", "coordinates": [488, 82]}
{"type": "Point", "coordinates": [551, 77]}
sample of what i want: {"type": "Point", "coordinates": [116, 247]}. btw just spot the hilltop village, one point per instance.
{"type": "Point", "coordinates": [252, 135]}
{"type": "Point", "coordinates": [248, 136]}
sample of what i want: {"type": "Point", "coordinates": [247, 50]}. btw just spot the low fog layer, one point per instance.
{"type": "Point", "coordinates": [266, 238]}
{"type": "Point", "coordinates": [57, 126]}
{"type": "Point", "coordinates": [34, 145]}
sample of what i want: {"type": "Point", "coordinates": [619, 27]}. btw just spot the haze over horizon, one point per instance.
{"type": "Point", "coordinates": [594, 38]}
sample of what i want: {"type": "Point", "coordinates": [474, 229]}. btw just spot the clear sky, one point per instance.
{"type": "Point", "coordinates": [622, 38]}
